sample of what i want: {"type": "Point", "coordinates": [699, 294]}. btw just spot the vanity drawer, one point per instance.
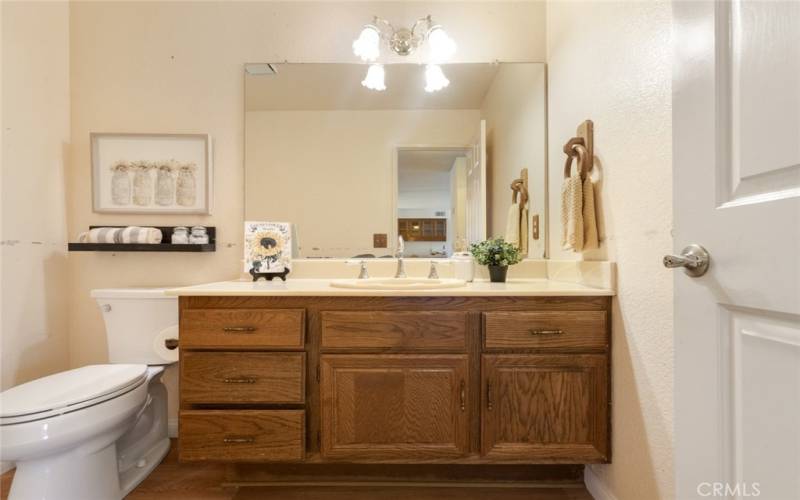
{"type": "Point", "coordinates": [242, 328]}
{"type": "Point", "coordinates": [242, 377]}
{"type": "Point", "coordinates": [542, 329]}
{"type": "Point", "coordinates": [402, 330]}
{"type": "Point", "coordinates": [242, 435]}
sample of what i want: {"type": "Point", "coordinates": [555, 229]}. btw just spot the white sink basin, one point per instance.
{"type": "Point", "coordinates": [398, 283]}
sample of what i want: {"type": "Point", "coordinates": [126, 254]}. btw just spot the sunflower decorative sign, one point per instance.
{"type": "Point", "coordinates": [267, 247]}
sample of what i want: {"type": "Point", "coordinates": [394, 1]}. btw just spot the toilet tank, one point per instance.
{"type": "Point", "coordinates": [137, 321]}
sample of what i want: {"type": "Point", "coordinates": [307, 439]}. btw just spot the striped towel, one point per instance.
{"type": "Point", "coordinates": [130, 234]}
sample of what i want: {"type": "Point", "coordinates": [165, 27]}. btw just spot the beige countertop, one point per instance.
{"type": "Point", "coordinates": [322, 288]}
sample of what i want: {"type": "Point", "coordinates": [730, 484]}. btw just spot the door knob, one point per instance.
{"type": "Point", "coordinates": [694, 260]}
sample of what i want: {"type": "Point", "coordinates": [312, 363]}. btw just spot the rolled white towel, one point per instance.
{"type": "Point", "coordinates": [130, 234]}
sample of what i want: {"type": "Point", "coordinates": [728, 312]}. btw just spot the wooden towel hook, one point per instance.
{"type": "Point", "coordinates": [582, 147]}
{"type": "Point", "coordinates": [520, 186]}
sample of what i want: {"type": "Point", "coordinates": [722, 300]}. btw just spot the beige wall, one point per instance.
{"type": "Point", "coordinates": [342, 163]}
{"type": "Point", "coordinates": [177, 67]}
{"type": "Point", "coordinates": [35, 124]}
{"type": "Point", "coordinates": [516, 121]}
{"type": "Point", "coordinates": [611, 62]}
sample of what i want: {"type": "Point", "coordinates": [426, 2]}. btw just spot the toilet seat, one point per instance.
{"type": "Point", "coordinates": [69, 391]}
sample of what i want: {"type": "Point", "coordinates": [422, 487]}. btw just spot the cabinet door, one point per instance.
{"type": "Point", "coordinates": [394, 407]}
{"type": "Point", "coordinates": [545, 408]}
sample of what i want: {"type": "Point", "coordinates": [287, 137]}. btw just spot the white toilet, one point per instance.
{"type": "Point", "coordinates": [94, 433]}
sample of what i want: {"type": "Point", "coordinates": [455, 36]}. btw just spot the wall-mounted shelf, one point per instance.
{"type": "Point", "coordinates": [164, 246]}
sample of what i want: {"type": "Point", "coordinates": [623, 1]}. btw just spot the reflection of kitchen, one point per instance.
{"type": "Point", "coordinates": [431, 200]}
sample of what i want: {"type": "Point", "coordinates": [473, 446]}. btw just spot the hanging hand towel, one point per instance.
{"type": "Point", "coordinates": [512, 225]}
{"type": "Point", "coordinates": [523, 232]}
{"type": "Point", "coordinates": [572, 211]}
{"type": "Point", "coordinates": [590, 239]}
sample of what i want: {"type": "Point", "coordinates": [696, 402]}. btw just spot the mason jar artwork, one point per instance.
{"type": "Point", "coordinates": [187, 185]}
{"type": "Point", "coordinates": [165, 184]}
{"type": "Point", "coordinates": [142, 184]}
{"type": "Point", "coordinates": [120, 184]}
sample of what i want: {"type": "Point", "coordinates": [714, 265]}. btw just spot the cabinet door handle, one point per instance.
{"type": "Point", "coordinates": [239, 380]}
{"type": "Point", "coordinates": [238, 329]}
{"type": "Point", "coordinates": [239, 440]}
{"type": "Point", "coordinates": [489, 403]}
{"type": "Point", "coordinates": [537, 331]}
{"type": "Point", "coordinates": [463, 396]}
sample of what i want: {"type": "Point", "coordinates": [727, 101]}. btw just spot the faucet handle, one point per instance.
{"type": "Point", "coordinates": [433, 274]}
{"type": "Point", "coordinates": [362, 273]}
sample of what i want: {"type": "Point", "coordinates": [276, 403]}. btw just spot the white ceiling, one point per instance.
{"type": "Point", "coordinates": [338, 87]}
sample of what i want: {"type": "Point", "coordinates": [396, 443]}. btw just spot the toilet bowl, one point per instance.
{"type": "Point", "coordinates": [97, 431]}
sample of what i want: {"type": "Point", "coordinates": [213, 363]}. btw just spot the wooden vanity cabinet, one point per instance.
{"type": "Point", "coordinates": [394, 407]}
{"type": "Point", "coordinates": [395, 380]}
{"type": "Point", "coordinates": [545, 406]}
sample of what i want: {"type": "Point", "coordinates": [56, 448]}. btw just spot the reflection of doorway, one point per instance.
{"type": "Point", "coordinates": [431, 199]}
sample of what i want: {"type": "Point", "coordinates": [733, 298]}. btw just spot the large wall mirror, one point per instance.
{"type": "Point", "coordinates": [353, 168]}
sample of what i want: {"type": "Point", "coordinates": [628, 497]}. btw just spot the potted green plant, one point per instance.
{"type": "Point", "coordinates": [498, 255]}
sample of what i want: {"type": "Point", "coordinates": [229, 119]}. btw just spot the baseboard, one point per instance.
{"type": "Point", "coordinates": [172, 427]}
{"type": "Point", "coordinates": [6, 466]}
{"type": "Point", "coordinates": [596, 487]}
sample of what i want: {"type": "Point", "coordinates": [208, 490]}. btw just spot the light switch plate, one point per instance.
{"type": "Point", "coordinates": [535, 226]}
{"type": "Point", "coordinates": [379, 240]}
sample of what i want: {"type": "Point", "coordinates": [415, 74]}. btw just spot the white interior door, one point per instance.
{"type": "Point", "coordinates": [736, 129]}
{"type": "Point", "coordinates": [476, 188]}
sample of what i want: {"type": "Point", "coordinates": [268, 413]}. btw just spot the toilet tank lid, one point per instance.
{"type": "Point", "coordinates": [69, 388]}
{"type": "Point", "coordinates": [132, 293]}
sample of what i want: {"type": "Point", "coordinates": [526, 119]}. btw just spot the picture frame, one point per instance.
{"type": "Point", "coordinates": [151, 173]}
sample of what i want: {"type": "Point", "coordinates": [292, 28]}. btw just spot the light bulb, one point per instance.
{"type": "Point", "coordinates": [442, 47]}
{"type": "Point", "coordinates": [374, 78]}
{"type": "Point", "coordinates": [367, 45]}
{"type": "Point", "coordinates": [434, 78]}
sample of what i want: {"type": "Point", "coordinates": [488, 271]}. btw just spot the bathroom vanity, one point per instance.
{"type": "Point", "coordinates": [514, 373]}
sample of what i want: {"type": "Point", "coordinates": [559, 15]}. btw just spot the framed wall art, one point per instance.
{"type": "Point", "coordinates": [151, 173]}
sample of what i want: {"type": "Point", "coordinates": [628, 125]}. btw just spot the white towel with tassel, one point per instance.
{"type": "Point", "coordinates": [523, 232]}
{"type": "Point", "coordinates": [512, 225]}
{"type": "Point", "coordinates": [572, 212]}
{"type": "Point", "coordinates": [130, 234]}
{"type": "Point", "coordinates": [590, 239]}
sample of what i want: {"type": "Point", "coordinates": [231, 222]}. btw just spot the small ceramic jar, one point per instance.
{"type": "Point", "coordinates": [180, 235]}
{"type": "Point", "coordinates": [463, 264]}
{"type": "Point", "coordinates": [199, 235]}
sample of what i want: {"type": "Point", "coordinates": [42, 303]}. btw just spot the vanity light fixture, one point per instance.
{"type": "Point", "coordinates": [404, 42]}
{"type": "Point", "coordinates": [434, 78]}
{"type": "Point", "coordinates": [375, 77]}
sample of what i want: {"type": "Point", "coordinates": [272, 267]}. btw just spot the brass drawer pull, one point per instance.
{"type": "Point", "coordinates": [463, 396]}
{"type": "Point", "coordinates": [239, 329]}
{"type": "Point", "coordinates": [240, 380]}
{"type": "Point", "coordinates": [239, 440]}
{"type": "Point", "coordinates": [534, 331]}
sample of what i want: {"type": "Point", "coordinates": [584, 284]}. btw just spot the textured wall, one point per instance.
{"type": "Point", "coordinates": [35, 116]}
{"type": "Point", "coordinates": [177, 67]}
{"type": "Point", "coordinates": [611, 62]}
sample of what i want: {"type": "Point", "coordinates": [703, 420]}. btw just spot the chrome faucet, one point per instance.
{"type": "Point", "coordinates": [401, 268]}
{"type": "Point", "coordinates": [433, 274]}
{"type": "Point", "coordinates": [363, 274]}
